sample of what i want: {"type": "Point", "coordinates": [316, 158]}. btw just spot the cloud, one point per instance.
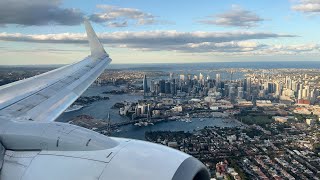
{"type": "Point", "coordinates": [188, 42]}
{"type": "Point", "coordinates": [307, 6]}
{"type": "Point", "coordinates": [294, 49]}
{"type": "Point", "coordinates": [37, 12]}
{"type": "Point", "coordinates": [118, 24]}
{"type": "Point", "coordinates": [236, 17]}
{"type": "Point", "coordinates": [221, 48]}
{"type": "Point", "coordinates": [119, 17]}
{"type": "Point", "coordinates": [145, 37]}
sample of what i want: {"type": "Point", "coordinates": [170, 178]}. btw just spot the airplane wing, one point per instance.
{"type": "Point", "coordinates": [46, 96]}
{"type": "Point", "coordinates": [31, 149]}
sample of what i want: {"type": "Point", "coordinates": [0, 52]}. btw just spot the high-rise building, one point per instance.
{"type": "Point", "coordinates": [277, 88]}
{"type": "Point", "coordinates": [294, 86]}
{"type": "Point", "coordinates": [288, 83]}
{"type": "Point", "coordinates": [145, 85]}
{"type": "Point", "coordinates": [189, 76]}
{"type": "Point", "coordinates": [182, 77]}
{"type": "Point", "coordinates": [156, 87]}
{"type": "Point", "coordinates": [308, 91]}
{"type": "Point", "coordinates": [162, 86]}
{"type": "Point", "coordinates": [240, 93]}
{"type": "Point", "coordinates": [300, 86]}
{"type": "Point", "coordinates": [232, 93]}
{"type": "Point", "coordinates": [200, 76]}
{"type": "Point", "coordinates": [304, 93]}
{"type": "Point", "coordinates": [313, 96]}
{"type": "Point", "coordinates": [300, 94]}
{"type": "Point", "coordinates": [152, 86]}
{"type": "Point", "coordinates": [226, 90]}
{"type": "Point", "coordinates": [271, 88]}
{"type": "Point", "coordinates": [171, 75]}
{"type": "Point", "coordinates": [248, 86]}
{"type": "Point", "coordinates": [168, 88]}
{"type": "Point", "coordinates": [173, 87]}
{"type": "Point", "coordinates": [218, 78]}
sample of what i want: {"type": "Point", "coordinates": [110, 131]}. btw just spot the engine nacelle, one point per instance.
{"type": "Point", "coordinates": [50, 151]}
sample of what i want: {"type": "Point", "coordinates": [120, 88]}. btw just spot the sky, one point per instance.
{"type": "Point", "coordinates": [154, 31]}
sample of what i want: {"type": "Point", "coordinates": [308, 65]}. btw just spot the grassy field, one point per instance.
{"type": "Point", "coordinates": [258, 120]}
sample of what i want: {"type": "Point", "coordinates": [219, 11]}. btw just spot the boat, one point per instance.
{"type": "Point", "coordinates": [73, 108]}
{"type": "Point", "coordinates": [183, 120]}
{"type": "Point", "coordinates": [143, 124]}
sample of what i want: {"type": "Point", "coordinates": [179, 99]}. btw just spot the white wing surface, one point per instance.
{"type": "Point", "coordinates": [46, 96]}
{"type": "Point", "coordinates": [33, 150]}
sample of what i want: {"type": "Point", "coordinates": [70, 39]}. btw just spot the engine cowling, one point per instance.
{"type": "Point", "coordinates": [144, 160]}
{"type": "Point", "coordinates": [73, 152]}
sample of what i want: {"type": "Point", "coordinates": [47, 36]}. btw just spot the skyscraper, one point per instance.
{"type": "Point", "coordinates": [173, 87]}
{"type": "Point", "coordinates": [218, 78]}
{"type": "Point", "coordinates": [288, 83]}
{"type": "Point", "coordinates": [299, 94]}
{"type": "Point", "coordinates": [145, 85]}
{"type": "Point", "coordinates": [271, 88]}
{"type": "Point", "coordinates": [200, 76]}
{"type": "Point", "coordinates": [162, 84]}
{"type": "Point", "coordinates": [171, 75]}
{"type": "Point", "coordinates": [182, 77]}
{"type": "Point", "coordinates": [240, 92]}
{"type": "Point", "coordinates": [168, 88]}
{"type": "Point", "coordinates": [152, 86]}
{"type": "Point", "coordinates": [248, 86]}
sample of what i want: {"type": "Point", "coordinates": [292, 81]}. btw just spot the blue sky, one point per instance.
{"type": "Point", "coordinates": [144, 31]}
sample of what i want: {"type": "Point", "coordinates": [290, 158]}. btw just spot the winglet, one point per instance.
{"type": "Point", "coordinates": [96, 47]}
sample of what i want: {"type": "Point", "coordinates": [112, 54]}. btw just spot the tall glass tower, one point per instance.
{"type": "Point", "coordinates": [145, 85]}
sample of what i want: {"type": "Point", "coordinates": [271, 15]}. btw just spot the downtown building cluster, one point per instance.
{"type": "Point", "coordinates": [284, 88]}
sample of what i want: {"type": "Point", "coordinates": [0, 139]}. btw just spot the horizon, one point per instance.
{"type": "Point", "coordinates": [148, 65]}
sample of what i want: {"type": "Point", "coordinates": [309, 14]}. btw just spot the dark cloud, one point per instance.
{"type": "Point", "coordinates": [37, 12]}
{"type": "Point", "coordinates": [116, 16]}
{"type": "Point", "coordinates": [118, 24]}
{"type": "Point", "coordinates": [236, 17]}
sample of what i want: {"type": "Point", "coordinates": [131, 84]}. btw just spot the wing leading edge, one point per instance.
{"type": "Point", "coordinates": [46, 96]}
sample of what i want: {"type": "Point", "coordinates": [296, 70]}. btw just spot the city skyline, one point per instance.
{"type": "Point", "coordinates": [51, 32]}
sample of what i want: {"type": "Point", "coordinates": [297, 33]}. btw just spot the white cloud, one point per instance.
{"type": "Point", "coordinates": [307, 6]}
{"type": "Point", "coordinates": [116, 16]}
